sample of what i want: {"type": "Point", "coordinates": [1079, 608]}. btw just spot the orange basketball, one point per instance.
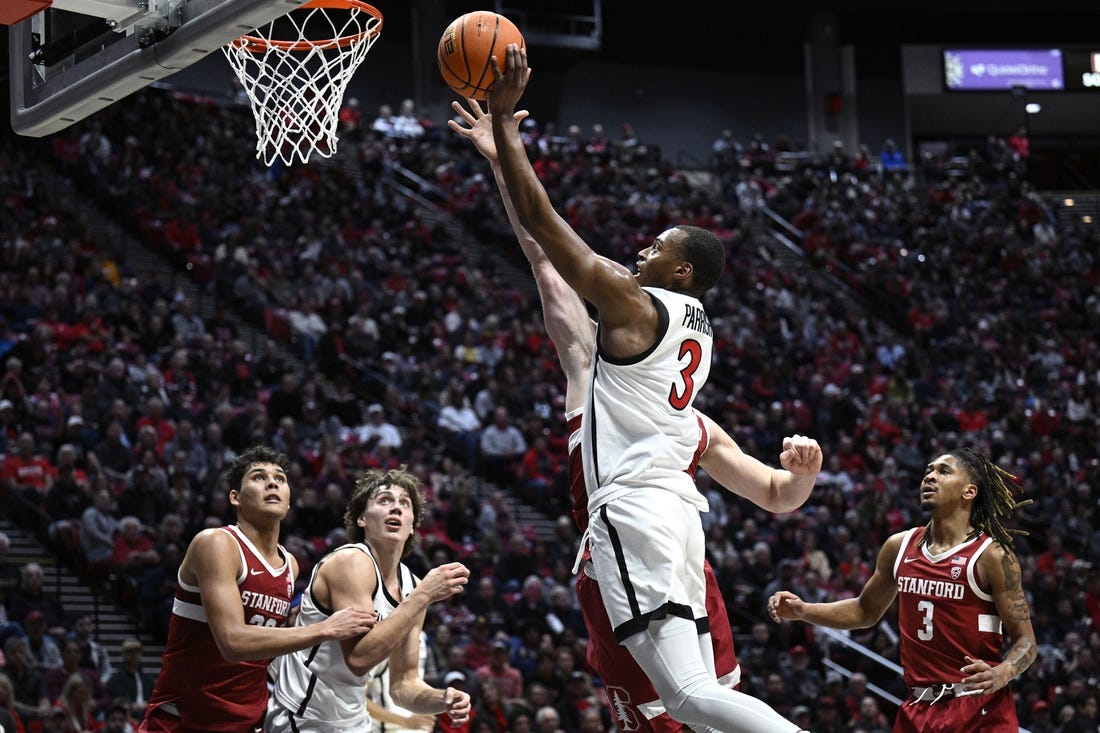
{"type": "Point", "coordinates": [467, 48]}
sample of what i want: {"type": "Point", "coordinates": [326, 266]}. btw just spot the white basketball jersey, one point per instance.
{"type": "Point", "coordinates": [315, 683]}
{"type": "Point", "coordinates": [639, 429]}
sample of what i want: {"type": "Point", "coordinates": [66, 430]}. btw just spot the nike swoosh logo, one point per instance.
{"type": "Point", "coordinates": [983, 711]}
{"type": "Point", "coordinates": [255, 572]}
{"type": "Point", "coordinates": [910, 559]}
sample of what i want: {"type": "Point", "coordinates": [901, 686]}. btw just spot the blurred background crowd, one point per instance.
{"type": "Point", "coordinates": [374, 311]}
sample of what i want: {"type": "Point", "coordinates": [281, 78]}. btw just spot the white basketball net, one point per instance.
{"type": "Point", "coordinates": [296, 85]}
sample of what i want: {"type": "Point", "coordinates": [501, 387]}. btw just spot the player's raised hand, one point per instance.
{"type": "Point", "coordinates": [785, 606]}
{"type": "Point", "coordinates": [511, 80]}
{"type": "Point", "coordinates": [801, 455]}
{"type": "Point", "coordinates": [479, 129]}
{"type": "Point", "coordinates": [456, 705]}
{"type": "Point", "coordinates": [349, 622]}
{"type": "Point", "coordinates": [444, 581]}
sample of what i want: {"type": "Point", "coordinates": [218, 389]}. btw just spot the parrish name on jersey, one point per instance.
{"type": "Point", "coordinates": [696, 319]}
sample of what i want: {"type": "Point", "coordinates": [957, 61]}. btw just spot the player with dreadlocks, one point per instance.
{"type": "Point", "coordinates": [958, 585]}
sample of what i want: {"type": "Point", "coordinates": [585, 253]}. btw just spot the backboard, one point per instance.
{"type": "Point", "coordinates": [70, 58]}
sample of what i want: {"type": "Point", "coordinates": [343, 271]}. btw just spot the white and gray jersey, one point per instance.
{"type": "Point", "coordinates": [639, 430]}
{"type": "Point", "coordinates": [315, 684]}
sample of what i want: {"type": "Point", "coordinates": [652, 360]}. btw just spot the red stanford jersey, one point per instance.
{"type": "Point", "coordinates": [943, 615]}
{"type": "Point", "coordinates": [196, 683]}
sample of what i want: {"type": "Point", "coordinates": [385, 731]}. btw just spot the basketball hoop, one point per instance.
{"type": "Point", "coordinates": [296, 83]}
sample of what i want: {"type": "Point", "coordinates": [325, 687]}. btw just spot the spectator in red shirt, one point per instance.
{"type": "Point", "coordinates": [1048, 562]}
{"type": "Point", "coordinates": [154, 416]}
{"type": "Point", "coordinates": [500, 670]}
{"type": "Point", "coordinates": [134, 549]}
{"type": "Point", "coordinates": [25, 473]}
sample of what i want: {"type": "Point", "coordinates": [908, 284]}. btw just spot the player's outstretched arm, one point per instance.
{"type": "Point", "coordinates": [607, 284]}
{"type": "Point", "coordinates": [214, 560]}
{"type": "Point", "coordinates": [566, 318]}
{"type": "Point", "coordinates": [349, 577]}
{"type": "Point", "coordinates": [1001, 568]}
{"type": "Point", "coordinates": [776, 490]}
{"type": "Point", "coordinates": [851, 613]}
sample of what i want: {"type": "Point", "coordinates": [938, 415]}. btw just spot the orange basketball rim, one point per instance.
{"type": "Point", "coordinates": [258, 44]}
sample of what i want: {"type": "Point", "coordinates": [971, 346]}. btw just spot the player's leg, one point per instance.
{"type": "Point", "coordinates": [633, 701]}
{"type": "Point", "coordinates": [653, 588]}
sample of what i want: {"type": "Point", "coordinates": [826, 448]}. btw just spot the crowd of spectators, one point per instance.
{"type": "Point", "coordinates": [121, 400]}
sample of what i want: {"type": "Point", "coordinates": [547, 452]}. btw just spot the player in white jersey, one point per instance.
{"type": "Point", "coordinates": [652, 355]}
{"type": "Point", "coordinates": [323, 688]}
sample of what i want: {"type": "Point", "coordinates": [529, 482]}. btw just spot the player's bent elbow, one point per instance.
{"type": "Point", "coordinates": [358, 669]}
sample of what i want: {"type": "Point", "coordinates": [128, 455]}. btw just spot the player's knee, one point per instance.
{"type": "Point", "coordinates": [694, 701]}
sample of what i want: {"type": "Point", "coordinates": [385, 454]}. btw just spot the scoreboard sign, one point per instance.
{"type": "Point", "coordinates": [1082, 70]}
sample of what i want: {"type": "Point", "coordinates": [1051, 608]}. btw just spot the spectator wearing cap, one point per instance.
{"type": "Point", "coordinates": [1041, 720]}
{"type": "Point", "coordinates": [800, 716]}
{"type": "Point", "coordinates": [499, 669]}
{"type": "Point", "coordinates": [829, 718]}
{"type": "Point", "coordinates": [377, 431]}
{"type": "Point", "coordinates": [479, 649]}
{"type": "Point", "coordinates": [42, 651]}
{"type": "Point", "coordinates": [130, 682]}
{"type": "Point", "coordinates": [578, 698]}
{"type": "Point", "coordinates": [80, 435]}
{"type": "Point", "coordinates": [804, 682]}
{"type": "Point", "coordinates": [117, 718]}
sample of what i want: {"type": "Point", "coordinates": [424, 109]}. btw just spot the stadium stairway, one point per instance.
{"type": "Point", "coordinates": [113, 624]}
{"type": "Point", "coordinates": [779, 242]}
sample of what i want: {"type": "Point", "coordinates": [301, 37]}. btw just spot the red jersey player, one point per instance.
{"type": "Point", "coordinates": [958, 589]}
{"type": "Point", "coordinates": [228, 620]}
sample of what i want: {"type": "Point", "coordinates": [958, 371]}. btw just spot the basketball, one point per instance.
{"type": "Point", "coordinates": [467, 48]}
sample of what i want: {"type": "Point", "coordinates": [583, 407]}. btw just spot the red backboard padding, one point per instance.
{"type": "Point", "coordinates": [13, 11]}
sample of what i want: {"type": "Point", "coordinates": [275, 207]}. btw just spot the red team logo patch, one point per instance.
{"type": "Point", "coordinates": [626, 715]}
